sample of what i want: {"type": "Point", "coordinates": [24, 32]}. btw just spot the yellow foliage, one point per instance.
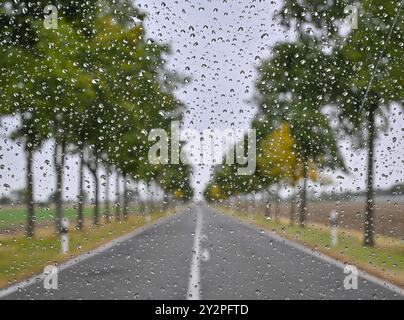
{"type": "Point", "coordinates": [278, 159]}
{"type": "Point", "coordinates": [179, 194]}
{"type": "Point", "coordinates": [313, 173]}
{"type": "Point", "coordinates": [216, 192]}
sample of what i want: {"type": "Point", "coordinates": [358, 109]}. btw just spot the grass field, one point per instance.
{"type": "Point", "coordinates": [15, 217]}
{"type": "Point", "coordinates": [21, 258]}
{"type": "Point", "coordinates": [385, 260]}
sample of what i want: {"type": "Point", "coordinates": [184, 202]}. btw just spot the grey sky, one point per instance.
{"type": "Point", "coordinates": [218, 44]}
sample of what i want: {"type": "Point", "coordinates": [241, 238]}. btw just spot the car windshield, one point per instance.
{"type": "Point", "coordinates": [201, 150]}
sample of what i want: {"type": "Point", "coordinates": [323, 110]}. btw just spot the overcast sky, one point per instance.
{"type": "Point", "coordinates": [218, 44]}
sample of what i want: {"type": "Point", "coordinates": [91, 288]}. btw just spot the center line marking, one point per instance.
{"type": "Point", "coordinates": [194, 284]}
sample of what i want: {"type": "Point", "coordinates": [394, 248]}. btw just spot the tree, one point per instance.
{"type": "Point", "coordinates": [288, 92]}
{"type": "Point", "coordinates": [66, 89]}
{"type": "Point", "coordinates": [369, 81]}
{"type": "Point", "coordinates": [277, 159]}
{"type": "Point", "coordinates": [175, 179]}
{"type": "Point", "coordinates": [226, 181]}
{"type": "Point", "coordinates": [14, 103]}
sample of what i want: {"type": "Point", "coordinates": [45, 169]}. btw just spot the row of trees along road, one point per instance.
{"type": "Point", "coordinates": [95, 86]}
{"type": "Point", "coordinates": [355, 74]}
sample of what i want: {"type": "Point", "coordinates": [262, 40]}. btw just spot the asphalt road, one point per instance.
{"type": "Point", "coordinates": [202, 254]}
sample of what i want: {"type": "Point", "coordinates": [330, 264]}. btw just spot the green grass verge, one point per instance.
{"type": "Point", "coordinates": [385, 260]}
{"type": "Point", "coordinates": [21, 258]}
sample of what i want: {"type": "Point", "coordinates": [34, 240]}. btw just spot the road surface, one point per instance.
{"type": "Point", "coordinates": [203, 254]}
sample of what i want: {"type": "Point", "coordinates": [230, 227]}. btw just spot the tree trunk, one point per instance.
{"type": "Point", "coordinates": [303, 196]}
{"type": "Point", "coordinates": [117, 199]}
{"type": "Point", "coordinates": [292, 209]}
{"type": "Point", "coordinates": [141, 206]}
{"type": "Point", "coordinates": [97, 194]}
{"type": "Point", "coordinates": [147, 199]}
{"type": "Point", "coordinates": [107, 204]}
{"type": "Point", "coordinates": [80, 206]}
{"type": "Point", "coordinates": [125, 197]}
{"type": "Point", "coordinates": [165, 201]}
{"type": "Point", "coordinates": [369, 210]}
{"type": "Point", "coordinates": [255, 203]}
{"type": "Point", "coordinates": [277, 202]}
{"type": "Point", "coordinates": [59, 165]}
{"type": "Point", "coordinates": [151, 189]}
{"type": "Point", "coordinates": [267, 205]}
{"type": "Point", "coordinates": [30, 193]}
{"type": "Point", "coordinates": [277, 208]}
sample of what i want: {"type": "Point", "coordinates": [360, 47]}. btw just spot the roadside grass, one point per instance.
{"type": "Point", "coordinates": [15, 217]}
{"type": "Point", "coordinates": [385, 260]}
{"type": "Point", "coordinates": [21, 258]}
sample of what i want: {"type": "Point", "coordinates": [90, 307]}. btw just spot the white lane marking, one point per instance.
{"type": "Point", "coordinates": [194, 284]}
{"type": "Point", "coordinates": [40, 277]}
{"type": "Point", "coordinates": [205, 255]}
{"type": "Point", "coordinates": [321, 256]}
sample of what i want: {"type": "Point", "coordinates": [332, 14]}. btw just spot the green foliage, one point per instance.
{"type": "Point", "coordinates": [95, 83]}
{"type": "Point", "coordinates": [289, 92]}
